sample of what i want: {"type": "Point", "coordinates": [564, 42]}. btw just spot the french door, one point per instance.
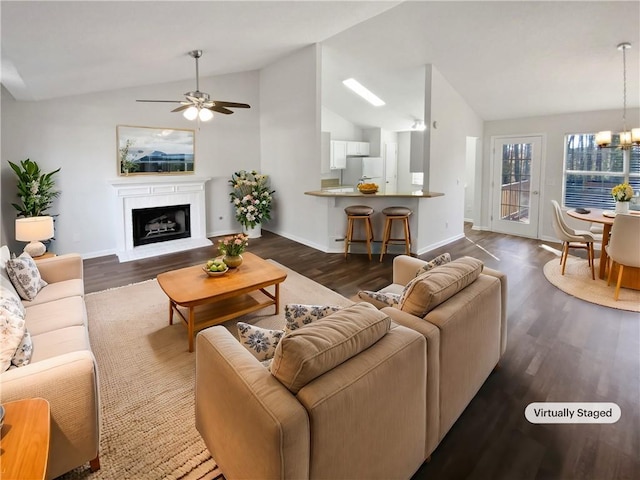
{"type": "Point", "coordinates": [516, 166]}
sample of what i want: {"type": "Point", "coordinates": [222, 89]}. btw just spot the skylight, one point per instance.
{"type": "Point", "coordinates": [364, 92]}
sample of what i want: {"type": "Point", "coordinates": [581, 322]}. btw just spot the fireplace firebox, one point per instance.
{"type": "Point", "coordinates": [160, 224]}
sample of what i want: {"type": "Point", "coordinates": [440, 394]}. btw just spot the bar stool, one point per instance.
{"type": "Point", "coordinates": [358, 212]}
{"type": "Point", "coordinates": [391, 214]}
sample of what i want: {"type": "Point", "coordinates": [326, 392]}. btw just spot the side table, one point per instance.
{"type": "Point", "coordinates": [44, 255]}
{"type": "Point", "coordinates": [25, 439]}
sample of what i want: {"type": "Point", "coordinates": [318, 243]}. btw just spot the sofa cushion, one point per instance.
{"type": "Point", "coordinates": [433, 263]}
{"type": "Point", "coordinates": [58, 290]}
{"type": "Point", "coordinates": [58, 342]}
{"type": "Point", "coordinates": [66, 312]}
{"type": "Point", "coordinates": [22, 355]}
{"type": "Point", "coordinates": [25, 276]}
{"type": "Point", "coordinates": [297, 315]}
{"type": "Point", "coordinates": [380, 299]}
{"type": "Point", "coordinates": [430, 289]}
{"type": "Point", "coordinates": [308, 352]}
{"type": "Point", "coordinates": [12, 328]}
{"type": "Point", "coordinates": [261, 342]}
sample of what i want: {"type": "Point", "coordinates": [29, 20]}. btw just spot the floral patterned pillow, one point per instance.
{"type": "Point", "coordinates": [436, 262]}
{"type": "Point", "coordinates": [380, 299]}
{"type": "Point", "coordinates": [22, 355]}
{"type": "Point", "coordinates": [24, 276]}
{"type": "Point", "coordinates": [12, 328]}
{"type": "Point", "coordinates": [261, 342]}
{"type": "Point", "coordinates": [297, 315]}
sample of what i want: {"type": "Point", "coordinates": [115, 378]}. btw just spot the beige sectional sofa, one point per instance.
{"type": "Point", "coordinates": [466, 335]}
{"type": "Point", "coordinates": [62, 368]}
{"type": "Point", "coordinates": [357, 416]}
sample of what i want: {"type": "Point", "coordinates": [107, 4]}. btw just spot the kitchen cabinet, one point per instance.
{"type": "Point", "coordinates": [358, 148]}
{"type": "Point", "coordinates": [338, 157]}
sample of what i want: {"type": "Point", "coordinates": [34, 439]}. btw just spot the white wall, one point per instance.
{"type": "Point", "coordinates": [339, 127]}
{"type": "Point", "coordinates": [554, 128]}
{"type": "Point", "coordinates": [443, 221]}
{"type": "Point", "coordinates": [78, 134]}
{"type": "Point", "coordinates": [290, 144]}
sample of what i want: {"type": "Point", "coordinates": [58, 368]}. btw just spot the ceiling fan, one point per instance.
{"type": "Point", "coordinates": [197, 104]}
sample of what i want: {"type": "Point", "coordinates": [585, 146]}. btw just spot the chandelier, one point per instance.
{"type": "Point", "coordinates": [627, 138]}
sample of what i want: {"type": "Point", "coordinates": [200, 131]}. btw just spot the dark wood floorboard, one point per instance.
{"type": "Point", "coordinates": [559, 349]}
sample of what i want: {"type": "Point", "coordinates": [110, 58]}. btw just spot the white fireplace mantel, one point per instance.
{"type": "Point", "coordinates": [147, 192]}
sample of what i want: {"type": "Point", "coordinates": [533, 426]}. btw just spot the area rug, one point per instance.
{"type": "Point", "coordinates": [577, 281]}
{"type": "Point", "coordinates": [147, 377]}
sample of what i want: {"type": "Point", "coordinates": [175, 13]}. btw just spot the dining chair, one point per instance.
{"type": "Point", "coordinates": [570, 238]}
{"type": "Point", "coordinates": [624, 247]}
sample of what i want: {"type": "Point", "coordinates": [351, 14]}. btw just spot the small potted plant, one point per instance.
{"type": "Point", "coordinates": [232, 248]}
{"type": "Point", "coordinates": [622, 194]}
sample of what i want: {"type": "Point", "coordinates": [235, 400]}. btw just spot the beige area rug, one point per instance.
{"type": "Point", "coordinates": [147, 379]}
{"type": "Point", "coordinates": [577, 282]}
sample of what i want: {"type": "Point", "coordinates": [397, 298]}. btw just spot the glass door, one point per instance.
{"type": "Point", "coordinates": [516, 185]}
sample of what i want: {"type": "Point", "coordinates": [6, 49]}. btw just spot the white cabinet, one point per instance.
{"type": "Point", "coordinates": [358, 148]}
{"type": "Point", "coordinates": [338, 158]}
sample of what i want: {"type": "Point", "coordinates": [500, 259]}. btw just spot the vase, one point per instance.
{"type": "Point", "coordinates": [253, 232]}
{"type": "Point", "coordinates": [232, 261]}
{"type": "Point", "coordinates": [622, 207]}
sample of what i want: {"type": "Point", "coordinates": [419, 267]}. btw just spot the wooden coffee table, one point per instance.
{"type": "Point", "coordinates": [213, 300]}
{"type": "Point", "coordinates": [24, 451]}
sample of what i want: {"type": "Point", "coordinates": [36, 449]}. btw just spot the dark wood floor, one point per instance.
{"type": "Point", "coordinates": [559, 349]}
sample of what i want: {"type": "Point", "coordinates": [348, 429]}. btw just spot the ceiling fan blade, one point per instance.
{"type": "Point", "coordinates": [160, 101]}
{"type": "Point", "coordinates": [180, 108]}
{"type": "Point", "coordinates": [221, 103]}
{"type": "Point", "coordinates": [219, 109]}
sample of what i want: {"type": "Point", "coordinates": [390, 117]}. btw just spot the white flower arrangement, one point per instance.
{"type": "Point", "coordinates": [251, 197]}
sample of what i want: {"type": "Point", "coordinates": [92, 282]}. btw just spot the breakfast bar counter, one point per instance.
{"type": "Point", "coordinates": [426, 208]}
{"type": "Point", "coordinates": [356, 193]}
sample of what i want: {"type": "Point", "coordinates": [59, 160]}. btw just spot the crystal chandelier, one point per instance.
{"type": "Point", "coordinates": [627, 138]}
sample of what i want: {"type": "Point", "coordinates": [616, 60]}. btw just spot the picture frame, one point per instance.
{"type": "Point", "coordinates": [154, 151]}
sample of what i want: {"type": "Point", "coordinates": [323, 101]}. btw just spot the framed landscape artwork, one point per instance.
{"type": "Point", "coordinates": [154, 151]}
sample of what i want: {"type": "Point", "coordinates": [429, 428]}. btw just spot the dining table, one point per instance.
{"type": "Point", "coordinates": [630, 275]}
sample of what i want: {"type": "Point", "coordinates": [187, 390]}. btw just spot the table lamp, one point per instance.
{"type": "Point", "coordinates": [33, 230]}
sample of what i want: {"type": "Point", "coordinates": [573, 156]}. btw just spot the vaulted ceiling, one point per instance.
{"type": "Point", "coordinates": [507, 59]}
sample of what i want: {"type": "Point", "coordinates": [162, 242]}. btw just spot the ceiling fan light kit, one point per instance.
{"type": "Point", "coordinates": [198, 105]}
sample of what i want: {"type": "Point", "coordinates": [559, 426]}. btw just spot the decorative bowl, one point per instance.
{"type": "Point", "coordinates": [367, 188]}
{"type": "Point", "coordinates": [215, 274]}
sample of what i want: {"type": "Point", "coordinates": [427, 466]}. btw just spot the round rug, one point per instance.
{"type": "Point", "coordinates": [577, 281]}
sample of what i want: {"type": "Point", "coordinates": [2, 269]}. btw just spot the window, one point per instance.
{"type": "Point", "coordinates": [591, 172]}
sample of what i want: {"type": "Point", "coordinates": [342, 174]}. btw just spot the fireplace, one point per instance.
{"type": "Point", "coordinates": [160, 224]}
{"type": "Point", "coordinates": [170, 215]}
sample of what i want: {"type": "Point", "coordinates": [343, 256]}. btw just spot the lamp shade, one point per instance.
{"type": "Point", "coordinates": [34, 228]}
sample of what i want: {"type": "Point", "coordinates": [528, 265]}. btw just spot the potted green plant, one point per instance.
{"type": "Point", "coordinates": [252, 199]}
{"type": "Point", "coordinates": [35, 189]}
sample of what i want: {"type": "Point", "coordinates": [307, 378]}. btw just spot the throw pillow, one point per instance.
{"type": "Point", "coordinates": [435, 262]}
{"type": "Point", "coordinates": [22, 355]}
{"type": "Point", "coordinates": [430, 289]}
{"type": "Point", "coordinates": [261, 342]}
{"type": "Point", "coordinates": [309, 352]}
{"type": "Point", "coordinates": [12, 328]}
{"type": "Point", "coordinates": [297, 315]}
{"type": "Point", "coordinates": [9, 299]}
{"type": "Point", "coordinates": [380, 299]}
{"type": "Point", "coordinates": [25, 276]}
